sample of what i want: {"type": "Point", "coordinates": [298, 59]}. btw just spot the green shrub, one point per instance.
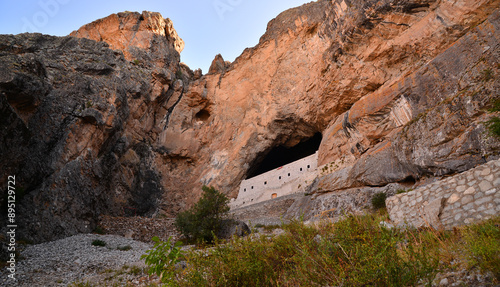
{"type": "Point", "coordinates": [98, 242]}
{"type": "Point", "coordinates": [493, 124]}
{"type": "Point", "coordinates": [495, 105]}
{"type": "Point", "coordinates": [378, 200]}
{"type": "Point", "coordinates": [162, 259]}
{"type": "Point", "coordinates": [204, 219]}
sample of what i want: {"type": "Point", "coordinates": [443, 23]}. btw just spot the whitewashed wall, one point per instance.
{"type": "Point", "coordinates": [278, 182]}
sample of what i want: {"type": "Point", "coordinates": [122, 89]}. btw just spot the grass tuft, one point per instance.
{"type": "Point", "coordinates": [483, 244]}
{"type": "Point", "coordinates": [493, 124]}
{"type": "Point", "coordinates": [98, 242]}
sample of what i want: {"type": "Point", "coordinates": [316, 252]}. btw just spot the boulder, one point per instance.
{"type": "Point", "coordinates": [231, 227]}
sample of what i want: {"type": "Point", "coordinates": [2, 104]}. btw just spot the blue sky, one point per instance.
{"type": "Point", "coordinates": [208, 27]}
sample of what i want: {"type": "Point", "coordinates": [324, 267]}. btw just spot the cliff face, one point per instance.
{"type": "Point", "coordinates": [79, 122]}
{"type": "Point", "coordinates": [398, 90]}
{"type": "Point", "coordinates": [394, 87]}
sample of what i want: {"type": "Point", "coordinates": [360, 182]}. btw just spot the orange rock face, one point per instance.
{"type": "Point", "coordinates": [356, 73]}
{"type": "Point", "coordinates": [127, 31]}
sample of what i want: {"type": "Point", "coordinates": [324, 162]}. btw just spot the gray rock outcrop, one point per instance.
{"type": "Point", "coordinates": [231, 228]}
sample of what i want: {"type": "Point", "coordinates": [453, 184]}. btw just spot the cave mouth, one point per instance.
{"type": "Point", "coordinates": [281, 155]}
{"type": "Point", "coordinates": [202, 115]}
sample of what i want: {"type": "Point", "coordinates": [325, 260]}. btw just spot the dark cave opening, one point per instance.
{"type": "Point", "coordinates": [280, 155]}
{"type": "Point", "coordinates": [202, 115]}
{"type": "Point", "coordinates": [409, 181]}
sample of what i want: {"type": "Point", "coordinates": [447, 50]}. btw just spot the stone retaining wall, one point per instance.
{"type": "Point", "coordinates": [470, 196]}
{"type": "Point", "coordinates": [329, 206]}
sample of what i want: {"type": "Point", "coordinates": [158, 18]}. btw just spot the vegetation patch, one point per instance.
{"type": "Point", "coordinates": [204, 219]}
{"type": "Point", "coordinates": [493, 124]}
{"type": "Point", "coordinates": [98, 242]}
{"type": "Point", "coordinates": [356, 251]}
{"type": "Point", "coordinates": [162, 259]}
{"type": "Point", "coordinates": [399, 191]}
{"type": "Point", "coordinates": [378, 200]}
{"type": "Point", "coordinates": [483, 244]}
{"type": "Point", "coordinates": [179, 74]}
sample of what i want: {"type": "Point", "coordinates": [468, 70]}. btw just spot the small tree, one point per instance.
{"type": "Point", "coordinates": [204, 219]}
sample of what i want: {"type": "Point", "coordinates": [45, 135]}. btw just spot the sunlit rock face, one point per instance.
{"type": "Point", "coordinates": [115, 125]}
{"type": "Point", "coordinates": [385, 83]}
{"type": "Point", "coordinates": [143, 36]}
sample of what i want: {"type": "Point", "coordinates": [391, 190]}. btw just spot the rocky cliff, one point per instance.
{"type": "Point", "coordinates": [114, 124]}
{"type": "Point", "coordinates": [80, 122]}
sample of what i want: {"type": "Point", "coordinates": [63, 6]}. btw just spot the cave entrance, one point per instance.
{"type": "Point", "coordinates": [281, 155]}
{"type": "Point", "coordinates": [202, 115]}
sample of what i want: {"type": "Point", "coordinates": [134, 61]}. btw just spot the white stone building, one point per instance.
{"type": "Point", "coordinates": [278, 182]}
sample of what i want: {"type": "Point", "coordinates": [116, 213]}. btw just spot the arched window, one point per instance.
{"type": "Point", "coordinates": [274, 195]}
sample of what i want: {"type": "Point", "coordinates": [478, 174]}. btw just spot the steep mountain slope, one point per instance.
{"type": "Point", "coordinates": [397, 88]}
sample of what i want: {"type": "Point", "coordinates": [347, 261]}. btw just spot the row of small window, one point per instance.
{"type": "Point", "coordinates": [265, 182]}
{"type": "Point", "coordinates": [273, 196]}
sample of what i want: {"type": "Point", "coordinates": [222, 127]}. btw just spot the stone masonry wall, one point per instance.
{"type": "Point", "coordinates": [470, 196]}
